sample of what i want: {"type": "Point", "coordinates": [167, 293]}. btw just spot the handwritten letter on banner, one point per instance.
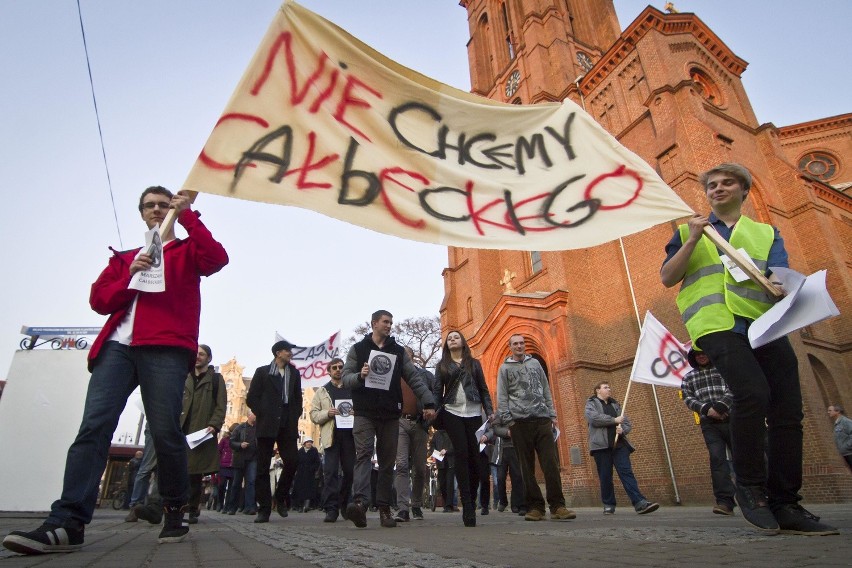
{"type": "Point", "coordinates": [322, 121]}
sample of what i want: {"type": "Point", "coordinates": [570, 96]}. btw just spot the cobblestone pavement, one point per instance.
{"type": "Point", "coordinates": [673, 536]}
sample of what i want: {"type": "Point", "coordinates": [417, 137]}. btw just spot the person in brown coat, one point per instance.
{"type": "Point", "coordinates": [204, 405]}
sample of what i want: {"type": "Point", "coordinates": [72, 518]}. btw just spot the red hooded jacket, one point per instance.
{"type": "Point", "coordinates": [168, 318]}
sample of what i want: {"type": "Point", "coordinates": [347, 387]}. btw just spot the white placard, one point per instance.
{"type": "Point", "coordinates": [346, 418]}
{"type": "Point", "coordinates": [437, 455]}
{"type": "Point", "coordinates": [381, 370]}
{"type": "Point", "coordinates": [153, 279]}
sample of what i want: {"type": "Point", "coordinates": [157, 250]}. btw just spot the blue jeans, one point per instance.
{"type": "Point", "coordinates": [161, 373]}
{"type": "Point", "coordinates": [717, 436]}
{"type": "Point", "coordinates": [620, 459]}
{"type": "Point", "coordinates": [249, 473]}
{"type": "Point", "coordinates": [146, 468]}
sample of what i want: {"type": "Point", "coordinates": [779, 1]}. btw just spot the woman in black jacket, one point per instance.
{"type": "Point", "coordinates": [461, 391]}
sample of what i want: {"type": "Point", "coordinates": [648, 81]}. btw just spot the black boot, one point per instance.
{"type": "Point", "coordinates": [469, 514]}
{"type": "Point", "coordinates": [173, 528]}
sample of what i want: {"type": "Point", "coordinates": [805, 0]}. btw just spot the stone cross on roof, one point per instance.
{"type": "Point", "coordinates": [506, 282]}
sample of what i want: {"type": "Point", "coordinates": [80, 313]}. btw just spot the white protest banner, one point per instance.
{"type": "Point", "coordinates": [322, 121]}
{"type": "Point", "coordinates": [153, 279]}
{"type": "Point", "coordinates": [312, 362]}
{"type": "Point", "coordinates": [660, 357]}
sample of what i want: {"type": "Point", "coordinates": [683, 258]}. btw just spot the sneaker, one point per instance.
{"type": "Point", "coordinates": [131, 517]}
{"type": "Point", "coordinates": [795, 519]}
{"type": "Point", "coordinates": [385, 517]}
{"type": "Point", "coordinates": [416, 514]}
{"type": "Point", "coordinates": [562, 514]}
{"type": "Point", "coordinates": [330, 516]}
{"type": "Point", "coordinates": [173, 528]}
{"type": "Point", "coordinates": [723, 509]}
{"type": "Point", "coordinates": [755, 508]}
{"type": "Point", "coordinates": [402, 517]}
{"type": "Point", "coordinates": [45, 539]}
{"type": "Point", "coordinates": [609, 510]}
{"type": "Point", "coordinates": [150, 512]}
{"type": "Point", "coordinates": [645, 507]}
{"type": "Point", "coordinates": [534, 515]}
{"type": "Point", "coordinates": [356, 513]}
{"type": "Point", "coordinates": [501, 507]}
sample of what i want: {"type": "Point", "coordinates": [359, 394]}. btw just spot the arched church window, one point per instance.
{"type": "Point", "coordinates": [535, 261]}
{"type": "Point", "coordinates": [705, 87]}
{"type": "Point", "coordinates": [819, 165]}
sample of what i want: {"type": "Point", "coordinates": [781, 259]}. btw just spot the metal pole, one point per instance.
{"type": "Point", "coordinates": [653, 387]}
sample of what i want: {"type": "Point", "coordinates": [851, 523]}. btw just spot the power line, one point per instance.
{"type": "Point", "coordinates": [98, 118]}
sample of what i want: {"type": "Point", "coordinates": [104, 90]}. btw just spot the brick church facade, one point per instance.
{"type": "Point", "coordinates": [670, 90]}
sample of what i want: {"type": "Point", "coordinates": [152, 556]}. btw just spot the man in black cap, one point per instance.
{"type": "Point", "coordinates": [275, 397]}
{"type": "Point", "coordinates": [706, 393]}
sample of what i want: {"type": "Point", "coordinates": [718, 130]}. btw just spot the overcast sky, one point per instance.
{"type": "Point", "coordinates": [163, 71]}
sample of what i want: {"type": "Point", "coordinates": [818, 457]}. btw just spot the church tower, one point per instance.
{"type": "Point", "coordinates": [670, 90]}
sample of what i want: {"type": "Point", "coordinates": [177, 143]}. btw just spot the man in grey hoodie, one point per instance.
{"type": "Point", "coordinates": [526, 407]}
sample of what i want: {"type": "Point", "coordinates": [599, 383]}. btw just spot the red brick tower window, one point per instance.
{"type": "Point", "coordinates": [705, 87]}
{"type": "Point", "coordinates": [819, 165]}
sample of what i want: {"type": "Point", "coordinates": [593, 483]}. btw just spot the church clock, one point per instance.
{"type": "Point", "coordinates": [512, 83]}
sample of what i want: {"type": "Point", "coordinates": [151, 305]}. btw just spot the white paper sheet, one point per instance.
{"type": "Point", "coordinates": [807, 302]}
{"type": "Point", "coordinates": [195, 439]}
{"type": "Point", "coordinates": [153, 279]}
{"type": "Point", "coordinates": [437, 455]}
{"type": "Point", "coordinates": [381, 370]}
{"type": "Point", "coordinates": [346, 419]}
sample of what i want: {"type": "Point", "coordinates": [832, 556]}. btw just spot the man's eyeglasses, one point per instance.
{"type": "Point", "coordinates": [154, 204]}
{"type": "Point", "coordinates": [335, 367]}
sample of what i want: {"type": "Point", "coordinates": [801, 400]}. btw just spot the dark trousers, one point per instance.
{"type": "Point", "coordinates": [531, 437]}
{"type": "Point", "coordinates": [289, 453]}
{"type": "Point", "coordinates": [717, 436]}
{"type": "Point", "coordinates": [765, 385]}
{"type": "Point", "coordinates": [195, 480]}
{"type": "Point", "coordinates": [484, 480]}
{"type": "Point", "coordinates": [618, 458]}
{"type": "Point", "coordinates": [462, 433]}
{"type": "Point", "coordinates": [510, 466]}
{"type": "Point", "coordinates": [338, 471]}
{"type": "Point", "coordinates": [447, 484]}
{"type": "Point", "coordinates": [248, 473]}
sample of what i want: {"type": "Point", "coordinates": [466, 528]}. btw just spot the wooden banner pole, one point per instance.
{"type": "Point", "coordinates": [753, 273]}
{"type": "Point", "coordinates": [171, 216]}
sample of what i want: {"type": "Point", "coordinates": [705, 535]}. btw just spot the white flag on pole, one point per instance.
{"type": "Point", "coordinates": [660, 357]}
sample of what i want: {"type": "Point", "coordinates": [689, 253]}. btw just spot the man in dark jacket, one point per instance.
{"type": "Point", "coordinates": [377, 412]}
{"type": "Point", "coordinates": [244, 462]}
{"type": "Point", "coordinates": [149, 341]}
{"type": "Point", "coordinates": [275, 396]}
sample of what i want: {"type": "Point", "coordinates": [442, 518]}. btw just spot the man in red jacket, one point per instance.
{"type": "Point", "coordinates": [150, 340]}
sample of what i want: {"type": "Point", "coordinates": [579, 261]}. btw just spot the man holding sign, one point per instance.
{"type": "Point", "coordinates": [331, 409]}
{"type": "Point", "coordinates": [717, 308]}
{"type": "Point", "coordinates": [150, 340]}
{"type": "Point", "coordinates": [374, 370]}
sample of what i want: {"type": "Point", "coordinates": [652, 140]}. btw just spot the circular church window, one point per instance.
{"type": "Point", "coordinates": [820, 165]}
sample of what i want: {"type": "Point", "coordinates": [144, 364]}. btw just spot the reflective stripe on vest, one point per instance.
{"type": "Point", "coordinates": [709, 296]}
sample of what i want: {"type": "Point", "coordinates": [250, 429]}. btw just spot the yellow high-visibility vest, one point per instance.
{"type": "Point", "coordinates": [709, 296]}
